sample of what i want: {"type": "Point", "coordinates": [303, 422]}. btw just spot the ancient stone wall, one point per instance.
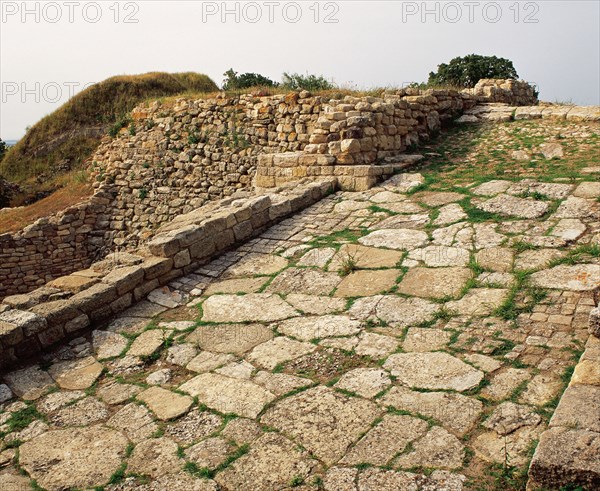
{"type": "Point", "coordinates": [178, 156]}
{"type": "Point", "coordinates": [30, 323]}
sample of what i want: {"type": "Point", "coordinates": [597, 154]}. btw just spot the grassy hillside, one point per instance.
{"type": "Point", "coordinates": [63, 140]}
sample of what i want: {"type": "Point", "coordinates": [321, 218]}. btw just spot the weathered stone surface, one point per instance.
{"type": "Point", "coordinates": [450, 214]}
{"type": "Point", "coordinates": [404, 182]}
{"type": "Point", "coordinates": [317, 257]}
{"type": "Point", "coordinates": [236, 285]}
{"type": "Point", "coordinates": [508, 417]}
{"type": "Point", "coordinates": [115, 393]}
{"type": "Point", "coordinates": [323, 421]}
{"type": "Point", "coordinates": [30, 383]}
{"type": "Point", "coordinates": [252, 307]}
{"type": "Point", "coordinates": [498, 259]}
{"type": "Point", "coordinates": [396, 311]}
{"type": "Point", "coordinates": [12, 482]}
{"type": "Point", "coordinates": [569, 229]}
{"type": "Point", "coordinates": [308, 281]}
{"type": "Point", "coordinates": [594, 322]}
{"type": "Point", "coordinates": [434, 282]}
{"type": "Point", "coordinates": [155, 457]}
{"type": "Point", "coordinates": [5, 393]}
{"type": "Point", "coordinates": [478, 301]}
{"type": "Point", "coordinates": [579, 408]}
{"type": "Point", "coordinates": [588, 190]}
{"type": "Point", "coordinates": [28, 322]}
{"type": "Point", "coordinates": [230, 338]}
{"type": "Point", "coordinates": [586, 372]}
{"type": "Point", "coordinates": [437, 448]}
{"type": "Point", "coordinates": [364, 283]}
{"type": "Point", "coordinates": [385, 440]}
{"type": "Point", "coordinates": [254, 264]}
{"type": "Point", "coordinates": [537, 259]}
{"type": "Point", "coordinates": [438, 198]}
{"type": "Point", "coordinates": [492, 188]}
{"type": "Point", "coordinates": [421, 340]}
{"type": "Point", "coordinates": [574, 207]}
{"type": "Point", "coordinates": [307, 328]}
{"type": "Point", "coordinates": [108, 344]}
{"type": "Point", "coordinates": [135, 421]}
{"type": "Point", "coordinates": [400, 239]}
{"type": "Point", "coordinates": [366, 382]}
{"type": "Point", "coordinates": [316, 305]}
{"type": "Point", "coordinates": [497, 448]}
{"type": "Point", "coordinates": [542, 388]}
{"type": "Point", "coordinates": [241, 431]}
{"type": "Point", "coordinates": [483, 362]}
{"type": "Point", "coordinates": [207, 361]}
{"type": "Point", "coordinates": [432, 371]}
{"type": "Point", "coordinates": [279, 350]}
{"type": "Point", "coordinates": [147, 343]}
{"type": "Point", "coordinates": [503, 383]}
{"type": "Point", "coordinates": [166, 297]}
{"type": "Point", "coordinates": [164, 403]}
{"type": "Point", "coordinates": [551, 150]}
{"type": "Point", "coordinates": [456, 412]}
{"type": "Point", "coordinates": [228, 395]}
{"type": "Point", "coordinates": [375, 345]}
{"type": "Point", "coordinates": [280, 383]}
{"type": "Point", "coordinates": [566, 457]}
{"type": "Point", "coordinates": [386, 480]}
{"type": "Point", "coordinates": [73, 458]}
{"type": "Point", "coordinates": [82, 413]}
{"type": "Point", "coordinates": [439, 256]}
{"type": "Point", "coordinates": [365, 257]}
{"type": "Point", "coordinates": [579, 277]}
{"type": "Point", "coordinates": [194, 426]}
{"type": "Point", "coordinates": [505, 204]}
{"type": "Point", "coordinates": [272, 463]}
{"type": "Point", "coordinates": [181, 354]}
{"type": "Point", "coordinates": [209, 453]}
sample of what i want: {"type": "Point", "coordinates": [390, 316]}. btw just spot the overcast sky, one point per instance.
{"type": "Point", "coordinates": [555, 44]}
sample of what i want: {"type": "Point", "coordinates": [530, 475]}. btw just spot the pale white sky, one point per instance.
{"type": "Point", "coordinates": [373, 43]}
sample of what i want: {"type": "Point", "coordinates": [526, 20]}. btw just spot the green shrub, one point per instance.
{"type": "Point", "coordinates": [466, 71]}
{"type": "Point", "coordinates": [295, 81]}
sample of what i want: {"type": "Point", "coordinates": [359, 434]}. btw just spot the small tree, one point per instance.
{"type": "Point", "coordinates": [466, 71]}
{"type": "Point", "coordinates": [235, 81]}
{"type": "Point", "coordinates": [3, 149]}
{"type": "Point", "coordinates": [295, 81]}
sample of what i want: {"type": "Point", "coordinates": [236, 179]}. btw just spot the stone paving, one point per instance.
{"type": "Point", "coordinates": [401, 338]}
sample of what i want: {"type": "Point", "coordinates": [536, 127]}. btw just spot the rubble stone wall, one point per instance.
{"type": "Point", "coordinates": [32, 322]}
{"type": "Point", "coordinates": [177, 156]}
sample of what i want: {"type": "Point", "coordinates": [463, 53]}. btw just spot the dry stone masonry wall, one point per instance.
{"type": "Point", "coordinates": [175, 158]}
{"type": "Point", "coordinates": [30, 323]}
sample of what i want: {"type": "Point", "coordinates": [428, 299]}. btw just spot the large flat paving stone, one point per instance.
{"type": "Point", "coordinates": [230, 338]}
{"type": "Point", "coordinates": [433, 371]}
{"type": "Point", "coordinates": [76, 374]}
{"type": "Point", "coordinates": [307, 281]}
{"type": "Point", "coordinates": [255, 264]}
{"type": "Point", "coordinates": [396, 311]}
{"type": "Point", "coordinates": [164, 403]}
{"type": "Point", "coordinates": [315, 304]}
{"type": "Point", "coordinates": [440, 256]}
{"type": "Point", "coordinates": [437, 448]}
{"type": "Point", "coordinates": [322, 420]}
{"type": "Point", "coordinates": [73, 458]}
{"type": "Point", "coordinates": [272, 463]}
{"type": "Point", "coordinates": [434, 282]}
{"type": "Point", "coordinates": [307, 328]}
{"type": "Point", "coordinates": [507, 205]}
{"type": "Point", "coordinates": [455, 412]}
{"type": "Point", "coordinates": [399, 239]}
{"type": "Point", "coordinates": [579, 277]}
{"type": "Point", "coordinates": [390, 437]}
{"type": "Point", "coordinates": [365, 257]}
{"type": "Point", "coordinates": [279, 350]}
{"type": "Point", "coordinates": [254, 307]}
{"type": "Point", "coordinates": [29, 383]}
{"type": "Point", "coordinates": [364, 283]}
{"type": "Point", "coordinates": [229, 395]}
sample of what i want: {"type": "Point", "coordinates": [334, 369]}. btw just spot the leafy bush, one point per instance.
{"type": "Point", "coordinates": [3, 149]}
{"type": "Point", "coordinates": [295, 81]}
{"type": "Point", "coordinates": [235, 81]}
{"type": "Point", "coordinates": [466, 71]}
